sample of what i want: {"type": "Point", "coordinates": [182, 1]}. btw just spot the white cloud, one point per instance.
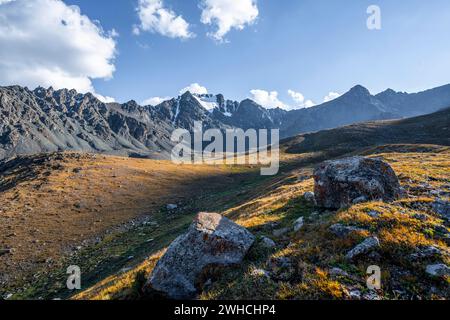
{"type": "Point", "coordinates": [331, 96]}
{"type": "Point", "coordinates": [300, 100]}
{"type": "Point", "coordinates": [156, 18]}
{"type": "Point", "coordinates": [154, 101]}
{"type": "Point", "coordinates": [194, 88]}
{"type": "Point", "coordinates": [267, 99]}
{"type": "Point", "coordinates": [228, 14]}
{"type": "Point", "coordinates": [47, 43]}
{"type": "Point", "coordinates": [104, 99]}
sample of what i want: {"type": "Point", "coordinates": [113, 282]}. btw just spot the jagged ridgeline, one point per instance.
{"type": "Point", "coordinates": [46, 120]}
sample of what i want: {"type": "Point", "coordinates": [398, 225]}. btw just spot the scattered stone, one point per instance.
{"type": "Point", "coordinates": [442, 208]}
{"type": "Point", "coordinates": [267, 242]}
{"type": "Point", "coordinates": [8, 296]}
{"type": "Point", "coordinates": [343, 231]}
{"type": "Point", "coordinates": [355, 294]}
{"type": "Point", "coordinates": [310, 197]}
{"type": "Point", "coordinates": [374, 214]}
{"type": "Point", "coordinates": [171, 207]}
{"type": "Point", "coordinates": [338, 272]}
{"type": "Point", "coordinates": [280, 232]}
{"type": "Point", "coordinates": [372, 296]}
{"type": "Point", "coordinates": [298, 224]}
{"type": "Point", "coordinates": [341, 182]}
{"type": "Point", "coordinates": [438, 270]}
{"type": "Point", "coordinates": [212, 241]}
{"type": "Point", "coordinates": [427, 252]}
{"type": "Point", "coordinates": [366, 246]}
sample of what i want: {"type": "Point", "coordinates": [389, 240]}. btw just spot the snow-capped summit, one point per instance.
{"type": "Point", "coordinates": [217, 103]}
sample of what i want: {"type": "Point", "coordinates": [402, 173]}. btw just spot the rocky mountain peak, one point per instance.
{"type": "Point", "coordinates": [359, 90]}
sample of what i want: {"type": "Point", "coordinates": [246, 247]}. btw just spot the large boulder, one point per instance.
{"type": "Point", "coordinates": [211, 242]}
{"type": "Point", "coordinates": [344, 182]}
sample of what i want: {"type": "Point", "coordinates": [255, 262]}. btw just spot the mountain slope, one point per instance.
{"type": "Point", "coordinates": [429, 129]}
{"type": "Point", "coordinates": [355, 106]}
{"type": "Point", "coordinates": [45, 120]}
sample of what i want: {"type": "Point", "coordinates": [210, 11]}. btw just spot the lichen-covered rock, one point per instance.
{"type": "Point", "coordinates": [366, 246]}
{"type": "Point", "coordinates": [341, 183]}
{"type": "Point", "coordinates": [212, 241]}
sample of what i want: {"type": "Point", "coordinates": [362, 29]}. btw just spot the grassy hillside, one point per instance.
{"type": "Point", "coordinates": [62, 209]}
{"type": "Point", "coordinates": [313, 251]}
{"type": "Point", "coordinates": [429, 129]}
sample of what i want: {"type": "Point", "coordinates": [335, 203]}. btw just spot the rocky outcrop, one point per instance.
{"type": "Point", "coordinates": [341, 183]}
{"type": "Point", "coordinates": [366, 246]}
{"type": "Point", "coordinates": [212, 241]}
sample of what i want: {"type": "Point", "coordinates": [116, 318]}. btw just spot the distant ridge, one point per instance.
{"type": "Point", "coordinates": [46, 120]}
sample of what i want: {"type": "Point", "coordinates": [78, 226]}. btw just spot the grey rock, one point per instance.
{"type": "Point", "coordinates": [355, 294]}
{"type": "Point", "coordinates": [366, 246]}
{"type": "Point", "coordinates": [371, 296]}
{"type": "Point", "coordinates": [171, 207]}
{"type": "Point", "coordinates": [310, 197]}
{"type": "Point", "coordinates": [438, 270]}
{"type": "Point", "coordinates": [211, 241]}
{"type": "Point", "coordinates": [442, 208]}
{"type": "Point", "coordinates": [267, 242]}
{"type": "Point", "coordinates": [343, 231]}
{"type": "Point", "coordinates": [374, 214]}
{"type": "Point", "coordinates": [298, 224]}
{"type": "Point", "coordinates": [427, 252]}
{"type": "Point", "coordinates": [340, 183]}
{"type": "Point", "coordinates": [338, 272]}
{"type": "Point", "coordinates": [361, 199]}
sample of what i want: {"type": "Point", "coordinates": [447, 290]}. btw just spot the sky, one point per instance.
{"type": "Point", "coordinates": [281, 53]}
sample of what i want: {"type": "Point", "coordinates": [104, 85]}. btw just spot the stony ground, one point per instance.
{"type": "Point", "coordinates": [301, 250]}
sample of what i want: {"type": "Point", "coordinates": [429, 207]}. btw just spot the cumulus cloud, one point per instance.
{"type": "Point", "coordinates": [154, 101]}
{"type": "Point", "coordinates": [300, 100]}
{"type": "Point", "coordinates": [104, 99]}
{"type": "Point", "coordinates": [155, 18]}
{"type": "Point", "coordinates": [331, 96]}
{"type": "Point", "coordinates": [48, 43]}
{"type": "Point", "coordinates": [267, 99]}
{"type": "Point", "coordinates": [225, 15]}
{"type": "Point", "coordinates": [194, 88]}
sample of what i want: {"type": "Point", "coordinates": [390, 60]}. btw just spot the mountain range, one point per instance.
{"type": "Point", "coordinates": [46, 120]}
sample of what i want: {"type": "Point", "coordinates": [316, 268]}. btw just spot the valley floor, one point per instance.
{"type": "Point", "coordinates": [108, 215]}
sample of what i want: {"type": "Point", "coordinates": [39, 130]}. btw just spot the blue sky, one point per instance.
{"type": "Point", "coordinates": [311, 47]}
